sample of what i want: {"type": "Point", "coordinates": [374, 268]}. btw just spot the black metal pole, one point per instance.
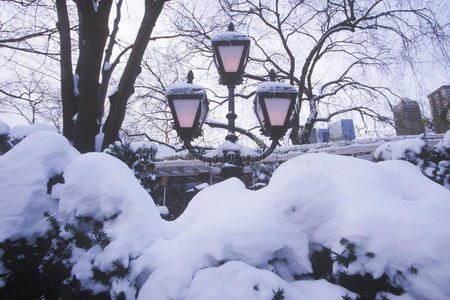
{"type": "Point", "coordinates": [232, 166]}
{"type": "Point", "coordinates": [231, 116]}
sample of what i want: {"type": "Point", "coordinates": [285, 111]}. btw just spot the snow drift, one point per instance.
{"type": "Point", "coordinates": [233, 243]}
{"type": "Point", "coordinates": [24, 174]}
{"type": "Point", "coordinates": [389, 209]}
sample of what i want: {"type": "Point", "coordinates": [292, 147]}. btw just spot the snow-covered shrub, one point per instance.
{"type": "Point", "coordinates": [20, 132]}
{"type": "Point", "coordinates": [333, 266]}
{"type": "Point", "coordinates": [261, 173]}
{"type": "Point", "coordinates": [41, 269]}
{"type": "Point", "coordinates": [434, 163]}
{"type": "Point", "coordinates": [104, 220]}
{"type": "Point", "coordinates": [29, 266]}
{"type": "Point", "coordinates": [384, 223]}
{"type": "Point", "coordinates": [140, 160]}
{"type": "Point", "coordinates": [11, 137]}
{"type": "Point", "coordinates": [325, 227]}
{"type": "Point", "coordinates": [5, 143]}
{"type": "Point", "coordinates": [140, 157]}
{"type": "Point", "coordinates": [25, 173]}
{"type": "Point", "coordinates": [408, 149]}
{"type": "Point", "coordinates": [115, 219]}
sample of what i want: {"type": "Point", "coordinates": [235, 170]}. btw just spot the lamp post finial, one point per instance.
{"type": "Point", "coordinates": [190, 76]}
{"type": "Point", "coordinates": [272, 75]}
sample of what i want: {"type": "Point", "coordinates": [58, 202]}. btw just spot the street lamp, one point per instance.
{"type": "Point", "coordinates": [230, 51]}
{"type": "Point", "coordinates": [189, 106]}
{"type": "Point", "coordinates": [273, 104]}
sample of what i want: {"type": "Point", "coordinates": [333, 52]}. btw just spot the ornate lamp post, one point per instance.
{"type": "Point", "coordinates": [273, 104]}
{"type": "Point", "coordinates": [189, 106]}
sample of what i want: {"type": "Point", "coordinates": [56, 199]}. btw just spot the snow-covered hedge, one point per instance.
{"type": "Point", "coordinates": [261, 174]}
{"type": "Point", "coordinates": [140, 159]}
{"type": "Point", "coordinates": [5, 143]}
{"type": "Point", "coordinates": [325, 227]}
{"type": "Point", "coordinates": [12, 136]}
{"type": "Point", "coordinates": [434, 162]}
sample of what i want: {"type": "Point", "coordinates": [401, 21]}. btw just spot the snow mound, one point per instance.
{"type": "Point", "coordinates": [24, 172]}
{"type": "Point", "coordinates": [19, 132]}
{"type": "Point", "coordinates": [397, 149]}
{"type": "Point", "coordinates": [388, 209]}
{"type": "Point", "coordinates": [4, 128]}
{"type": "Point", "coordinates": [236, 280]}
{"type": "Point", "coordinates": [100, 187]}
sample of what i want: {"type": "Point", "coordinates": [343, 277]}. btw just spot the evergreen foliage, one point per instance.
{"type": "Point", "coordinates": [434, 163]}
{"type": "Point", "coordinates": [278, 294]}
{"type": "Point", "coordinates": [365, 286]}
{"type": "Point", "coordinates": [41, 269]}
{"type": "Point", "coordinates": [5, 144]}
{"type": "Point", "coordinates": [261, 174]}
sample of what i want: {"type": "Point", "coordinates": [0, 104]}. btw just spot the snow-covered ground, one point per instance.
{"type": "Point", "coordinates": [233, 243]}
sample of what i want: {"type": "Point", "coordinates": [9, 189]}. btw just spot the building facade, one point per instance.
{"type": "Point", "coordinates": [342, 130]}
{"type": "Point", "coordinates": [440, 104]}
{"type": "Point", "coordinates": [319, 135]}
{"type": "Point", "coordinates": [408, 118]}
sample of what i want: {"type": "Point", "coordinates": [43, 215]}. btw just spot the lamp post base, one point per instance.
{"type": "Point", "coordinates": [228, 171]}
{"type": "Point", "coordinates": [232, 166]}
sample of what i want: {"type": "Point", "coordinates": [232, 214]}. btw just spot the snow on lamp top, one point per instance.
{"type": "Point", "coordinates": [275, 87]}
{"type": "Point", "coordinates": [226, 36]}
{"type": "Point", "coordinates": [182, 88]}
{"type": "Point", "coordinates": [229, 35]}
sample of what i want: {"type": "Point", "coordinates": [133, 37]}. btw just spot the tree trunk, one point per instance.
{"type": "Point", "coordinates": [307, 129]}
{"type": "Point", "coordinates": [67, 87]}
{"type": "Point", "coordinates": [294, 135]}
{"type": "Point", "coordinates": [125, 89]}
{"type": "Point", "coordinates": [94, 32]}
{"type": "Point", "coordinates": [306, 134]}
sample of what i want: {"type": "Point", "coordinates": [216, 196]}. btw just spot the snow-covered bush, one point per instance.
{"type": "Point", "coordinates": [28, 266]}
{"type": "Point", "coordinates": [261, 174]}
{"type": "Point", "coordinates": [325, 227]}
{"type": "Point", "coordinates": [41, 269]}
{"type": "Point", "coordinates": [102, 200]}
{"type": "Point", "coordinates": [5, 143]}
{"type": "Point", "coordinates": [25, 173]}
{"type": "Point", "coordinates": [434, 163]}
{"type": "Point", "coordinates": [140, 157]}
{"type": "Point", "coordinates": [11, 137]}
{"type": "Point", "coordinates": [141, 160]}
{"type": "Point", "coordinates": [233, 239]}
{"type": "Point", "coordinates": [104, 220]}
{"type": "Point", "coordinates": [20, 132]}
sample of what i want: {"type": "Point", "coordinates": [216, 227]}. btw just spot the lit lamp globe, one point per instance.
{"type": "Point", "coordinates": [273, 105]}
{"type": "Point", "coordinates": [189, 106]}
{"type": "Point", "coordinates": [230, 50]}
